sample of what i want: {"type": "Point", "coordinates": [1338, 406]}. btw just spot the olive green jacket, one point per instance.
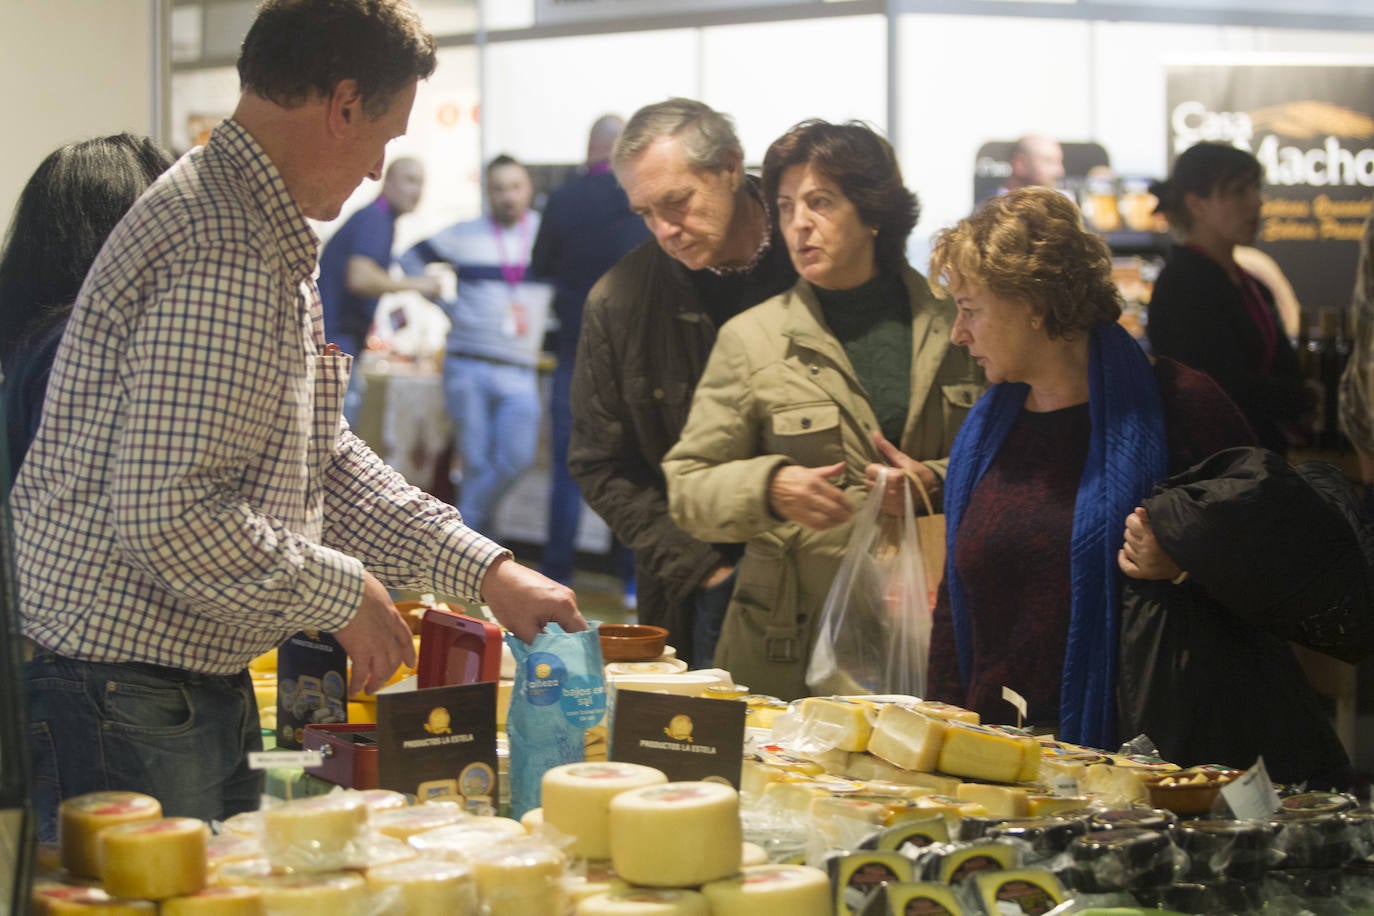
{"type": "Point", "coordinates": [778, 389]}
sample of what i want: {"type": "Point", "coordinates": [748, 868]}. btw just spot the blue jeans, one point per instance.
{"type": "Point", "coordinates": [565, 497]}
{"type": "Point", "coordinates": [711, 605]}
{"type": "Point", "coordinates": [495, 410]}
{"type": "Point", "coordinates": [179, 736]}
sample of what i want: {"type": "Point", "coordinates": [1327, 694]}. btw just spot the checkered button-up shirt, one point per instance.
{"type": "Point", "coordinates": [193, 495]}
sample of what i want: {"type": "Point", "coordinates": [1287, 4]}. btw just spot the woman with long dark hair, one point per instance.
{"type": "Point", "coordinates": [70, 205]}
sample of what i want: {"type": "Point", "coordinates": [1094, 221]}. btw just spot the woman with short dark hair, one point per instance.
{"type": "Point", "coordinates": [70, 205]}
{"type": "Point", "coordinates": [807, 395]}
{"type": "Point", "coordinates": [1209, 313]}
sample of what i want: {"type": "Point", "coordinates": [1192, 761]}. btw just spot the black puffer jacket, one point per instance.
{"type": "Point", "coordinates": [1274, 553]}
{"type": "Point", "coordinates": [646, 334]}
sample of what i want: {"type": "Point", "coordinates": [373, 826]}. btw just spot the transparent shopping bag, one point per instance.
{"type": "Point", "coordinates": [873, 635]}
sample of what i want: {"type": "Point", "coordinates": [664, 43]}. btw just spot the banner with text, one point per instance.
{"type": "Point", "coordinates": [1312, 128]}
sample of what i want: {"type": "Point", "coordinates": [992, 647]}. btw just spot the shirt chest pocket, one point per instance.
{"type": "Point", "coordinates": [807, 433]}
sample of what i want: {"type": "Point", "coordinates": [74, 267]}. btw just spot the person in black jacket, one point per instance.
{"type": "Point", "coordinates": [1208, 313]}
{"type": "Point", "coordinates": [69, 206]}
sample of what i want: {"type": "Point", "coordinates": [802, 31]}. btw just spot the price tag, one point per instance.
{"type": "Point", "coordinates": [1017, 701]}
{"type": "Point", "coordinates": [270, 760]}
{"type": "Point", "coordinates": [1252, 796]}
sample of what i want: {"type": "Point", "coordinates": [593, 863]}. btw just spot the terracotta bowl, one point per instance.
{"type": "Point", "coordinates": [1191, 791]}
{"type": "Point", "coordinates": [624, 642]}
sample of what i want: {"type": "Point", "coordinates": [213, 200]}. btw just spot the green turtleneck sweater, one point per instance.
{"type": "Point", "coordinates": [873, 324]}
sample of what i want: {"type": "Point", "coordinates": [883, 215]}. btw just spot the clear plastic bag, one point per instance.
{"type": "Point", "coordinates": [873, 635]}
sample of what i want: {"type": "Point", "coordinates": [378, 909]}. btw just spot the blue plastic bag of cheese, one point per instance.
{"type": "Point", "coordinates": [559, 693]}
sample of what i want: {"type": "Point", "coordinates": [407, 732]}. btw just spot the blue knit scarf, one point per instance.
{"type": "Point", "coordinates": [1127, 454]}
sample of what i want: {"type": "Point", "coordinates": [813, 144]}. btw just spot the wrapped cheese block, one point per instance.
{"type": "Point", "coordinates": [645, 901]}
{"type": "Point", "coordinates": [423, 887]}
{"type": "Point", "coordinates": [468, 838]}
{"type": "Point", "coordinates": [521, 878]}
{"type": "Point", "coordinates": [867, 767]}
{"type": "Point", "coordinates": [317, 894]}
{"type": "Point", "coordinates": [154, 860]}
{"type": "Point", "coordinates": [676, 835]}
{"type": "Point", "coordinates": [577, 801]}
{"type": "Point", "coordinates": [925, 897]}
{"type": "Point", "coordinates": [217, 901]}
{"type": "Point", "coordinates": [1018, 890]}
{"type": "Point", "coordinates": [1000, 801]}
{"type": "Point", "coordinates": [978, 752]}
{"type": "Point", "coordinates": [855, 876]}
{"type": "Point", "coordinates": [794, 890]}
{"type": "Point", "coordinates": [838, 722]}
{"type": "Point", "coordinates": [403, 823]}
{"type": "Point", "coordinates": [80, 820]}
{"type": "Point", "coordinates": [322, 833]}
{"type": "Point", "coordinates": [908, 739]}
{"type": "Point", "coordinates": [946, 711]}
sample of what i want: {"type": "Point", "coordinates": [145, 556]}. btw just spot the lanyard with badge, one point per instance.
{"type": "Point", "coordinates": [516, 322]}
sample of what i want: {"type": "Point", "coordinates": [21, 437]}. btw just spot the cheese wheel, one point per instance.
{"type": "Point", "coordinates": [217, 901]}
{"type": "Point", "coordinates": [319, 894]}
{"type": "Point", "coordinates": [796, 890]}
{"type": "Point", "coordinates": [323, 833]}
{"type": "Point", "coordinates": [577, 801]}
{"type": "Point", "coordinates": [662, 666]}
{"type": "Point", "coordinates": [676, 835]}
{"type": "Point", "coordinates": [404, 823]}
{"type": "Point", "coordinates": [80, 820]}
{"type": "Point", "coordinates": [240, 873]}
{"type": "Point", "coordinates": [645, 901]}
{"type": "Point", "coordinates": [533, 819]}
{"type": "Point", "coordinates": [73, 900]}
{"type": "Point", "coordinates": [155, 860]}
{"type": "Point", "coordinates": [906, 738]}
{"type": "Point", "coordinates": [423, 887]}
{"type": "Point", "coordinates": [522, 878]}
{"type": "Point", "coordinates": [230, 847]}
{"type": "Point", "coordinates": [598, 878]}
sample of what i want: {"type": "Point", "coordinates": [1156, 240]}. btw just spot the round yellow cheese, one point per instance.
{"type": "Point", "coordinates": [597, 878]}
{"type": "Point", "coordinates": [73, 900]}
{"type": "Point", "coordinates": [154, 860]}
{"type": "Point", "coordinates": [423, 887]}
{"type": "Point", "coordinates": [676, 835]}
{"type": "Point", "coordinates": [752, 854]}
{"type": "Point", "coordinates": [796, 890]}
{"type": "Point", "coordinates": [322, 833]}
{"type": "Point", "coordinates": [80, 820]}
{"type": "Point", "coordinates": [577, 801]}
{"type": "Point", "coordinates": [645, 901]}
{"type": "Point", "coordinates": [322, 894]}
{"type": "Point", "coordinates": [217, 901]}
{"type": "Point", "coordinates": [231, 847]}
{"type": "Point", "coordinates": [522, 878]}
{"type": "Point", "coordinates": [665, 666]}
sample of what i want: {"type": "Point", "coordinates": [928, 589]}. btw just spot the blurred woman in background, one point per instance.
{"type": "Point", "coordinates": [1209, 313]}
{"type": "Point", "coordinates": [70, 205]}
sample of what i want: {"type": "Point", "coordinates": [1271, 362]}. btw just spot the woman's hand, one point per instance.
{"type": "Point", "coordinates": [806, 496]}
{"type": "Point", "coordinates": [902, 463]}
{"type": "Point", "coordinates": [1140, 556]}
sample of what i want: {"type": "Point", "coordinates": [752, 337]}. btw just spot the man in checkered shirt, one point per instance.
{"type": "Point", "coordinates": [193, 496]}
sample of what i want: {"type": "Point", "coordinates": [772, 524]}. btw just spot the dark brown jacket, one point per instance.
{"type": "Point", "coordinates": [646, 334]}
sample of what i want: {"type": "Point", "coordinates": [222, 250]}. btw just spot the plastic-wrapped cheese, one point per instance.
{"type": "Point", "coordinates": [962, 861]}
{"type": "Point", "coordinates": [855, 876]}
{"type": "Point", "coordinates": [796, 890]}
{"type": "Point", "coordinates": [645, 901]}
{"type": "Point", "coordinates": [837, 722]}
{"type": "Point", "coordinates": [1000, 801]}
{"type": "Point", "coordinates": [867, 767]}
{"type": "Point", "coordinates": [577, 801]}
{"type": "Point", "coordinates": [676, 835]}
{"type": "Point", "coordinates": [907, 738]}
{"type": "Point", "coordinates": [322, 833]}
{"type": "Point", "coordinates": [72, 900]}
{"type": "Point", "coordinates": [319, 894]}
{"type": "Point", "coordinates": [80, 820]}
{"type": "Point", "coordinates": [533, 819]}
{"type": "Point", "coordinates": [468, 838]}
{"type": "Point", "coordinates": [154, 860]}
{"type": "Point", "coordinates": [924, 897]}
{"type": "Point", "coordinates": [383, 799]}
{"type": "Point", "coordinates": [598, 878]}
{"type": "Point", "coordinates": [403, 823]}
{"type": "Point", "coordinates": [217, 901]}
{"type": "Point", "coordinates": [522, 878]}
{"type": "Point", "coordinates": [423, 887]}
{"type": "Point", "coordinates": [946, 711]}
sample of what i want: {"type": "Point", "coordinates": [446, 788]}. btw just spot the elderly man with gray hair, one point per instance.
{"type": "Point", "coordinates": [647, 328]}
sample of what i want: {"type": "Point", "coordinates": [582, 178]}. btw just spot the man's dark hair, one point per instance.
{"type": "Point", "coordinates": [69, 206]}
{"type": "Point", "coordinates": [501, 160]}
{"type": "Point", "coordinates": [297, 49]}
